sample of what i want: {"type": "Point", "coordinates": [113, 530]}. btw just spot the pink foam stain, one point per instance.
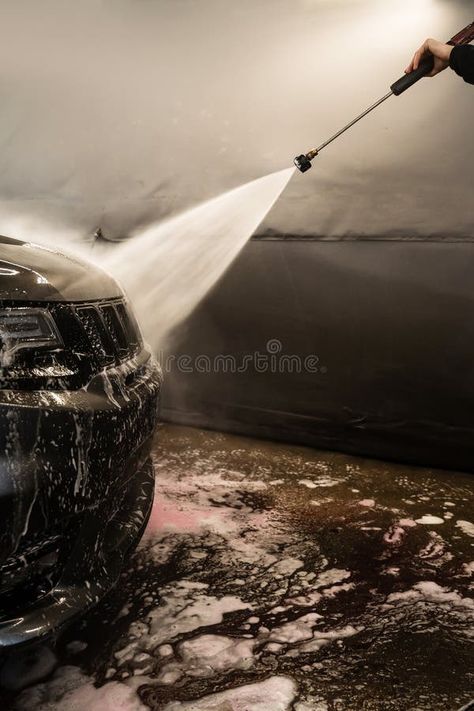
{"type": "Point", "coordinates": [169, 515]}
{"type": "Point", "coordinates": [396, 532]}
{"type": "Point", "coordinates": [166, 515]}
{"type": "Point", "coordinates": [394, 535]}
{"type": "Point", "coordinates": [367, 502]}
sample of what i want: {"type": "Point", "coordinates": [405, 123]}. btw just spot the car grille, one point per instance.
{"type": "Point", "coordinates": [111, 330]}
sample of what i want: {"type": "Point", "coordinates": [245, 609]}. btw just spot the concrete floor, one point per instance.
{"type": "Point", "coordinates": [277, 578]}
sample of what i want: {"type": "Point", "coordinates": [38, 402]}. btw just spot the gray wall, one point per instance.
{"type": "Point", "coordinates": [390, 322]}
{"type": "Point", "coordinates": [116, 112]}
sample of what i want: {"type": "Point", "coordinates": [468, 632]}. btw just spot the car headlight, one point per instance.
{"type": "Point", "coordinates": [26, 328]}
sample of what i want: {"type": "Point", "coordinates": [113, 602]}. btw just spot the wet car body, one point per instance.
{"type": "Point", "coordinates": [78, 408]}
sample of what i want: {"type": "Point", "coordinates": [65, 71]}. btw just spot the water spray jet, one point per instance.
{"type": "Point", "coordinates": [188, 253]}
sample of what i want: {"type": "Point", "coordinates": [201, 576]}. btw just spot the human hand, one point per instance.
{"type": "Point", "coordinates": [440, 51]}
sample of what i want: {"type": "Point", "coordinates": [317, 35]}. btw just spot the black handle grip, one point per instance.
{"type": "Point", "coordinates": [407, 80]}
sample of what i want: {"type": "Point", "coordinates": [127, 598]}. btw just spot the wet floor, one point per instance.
{"type": "Point", "coordinates": [279, 578]}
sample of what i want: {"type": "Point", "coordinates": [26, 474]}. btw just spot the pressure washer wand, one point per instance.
{"type": "Point", "coordinates": [303, 162]}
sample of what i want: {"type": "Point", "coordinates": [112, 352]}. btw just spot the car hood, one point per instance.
{"type": "Point", "coordinates": [30, 272]}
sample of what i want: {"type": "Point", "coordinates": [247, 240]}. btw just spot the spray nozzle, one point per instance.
{"type": "Point", "coordinates": [303, 162]}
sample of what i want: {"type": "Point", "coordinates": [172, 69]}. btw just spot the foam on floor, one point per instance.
{"type": "Point", "coordinates": [243, 590]}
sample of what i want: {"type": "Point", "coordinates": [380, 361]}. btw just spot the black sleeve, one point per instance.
{"type": "Point", "coordinates": [462, 61]}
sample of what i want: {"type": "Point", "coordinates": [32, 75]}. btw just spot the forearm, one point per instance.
{"type": "Point", "coordinates": [462, 61]}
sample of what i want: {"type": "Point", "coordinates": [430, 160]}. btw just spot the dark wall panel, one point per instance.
{"type": "Point", "coordinates": [392, 324]}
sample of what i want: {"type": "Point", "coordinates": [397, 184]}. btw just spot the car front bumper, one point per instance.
{"type": "Point", "coordinates": [76, 489]}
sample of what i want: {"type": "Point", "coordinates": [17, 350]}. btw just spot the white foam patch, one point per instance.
{"type": "Point", "coordinates": [312, 706]}
{"type": "Point", "coordinates": [278, 690]}
{"type": "Point", "coordinates": [207, 655]}
{"type": "Point", "coordinates": [326, 481]}
{"type": "Point", "coordinates": [429, 520]}
{"type": "Point", "coordinates": [370, 503]}
{"type": "Point", "coordinates": [431, 591]}
{"type": "Point", "coordinates": [370, 528]}
{"type": "Point", "coordinates": [394, 535]}
{"type": "Point", "coordinates": [206, 501]}
{"type": "Point", "coordinates": [308, 483]}
{"type": "Point", "coordinates": [70, 690]}
{"type": "Point", "coordinates": [287, 566]}
{"type": "Point", "coordinates": [335, 589]}
{"type": "Point", "coordinates": [185, 608]}
{"type": "Point", "coordinates": [407, 522]}
{"type": "Point", "coordinates": [321, 501]}
{"type": "Point", "coordinates": [466, 527]}
{"type": "Point", "coordinates": [328, 583]}
{"type": "Point", "coordinates": [297, 630]}
{"type": "Point", "coordinates": [321, 639]}
{"type": "Point", "coordinates": [469, 568]}
{"type": "Point", "coordinates": [331, 577]}
{"type": "Point", "coordinates": [435, 550]}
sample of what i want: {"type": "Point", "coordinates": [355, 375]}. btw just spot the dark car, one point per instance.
{"type": "Point", "coordinates": [78, 406]}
